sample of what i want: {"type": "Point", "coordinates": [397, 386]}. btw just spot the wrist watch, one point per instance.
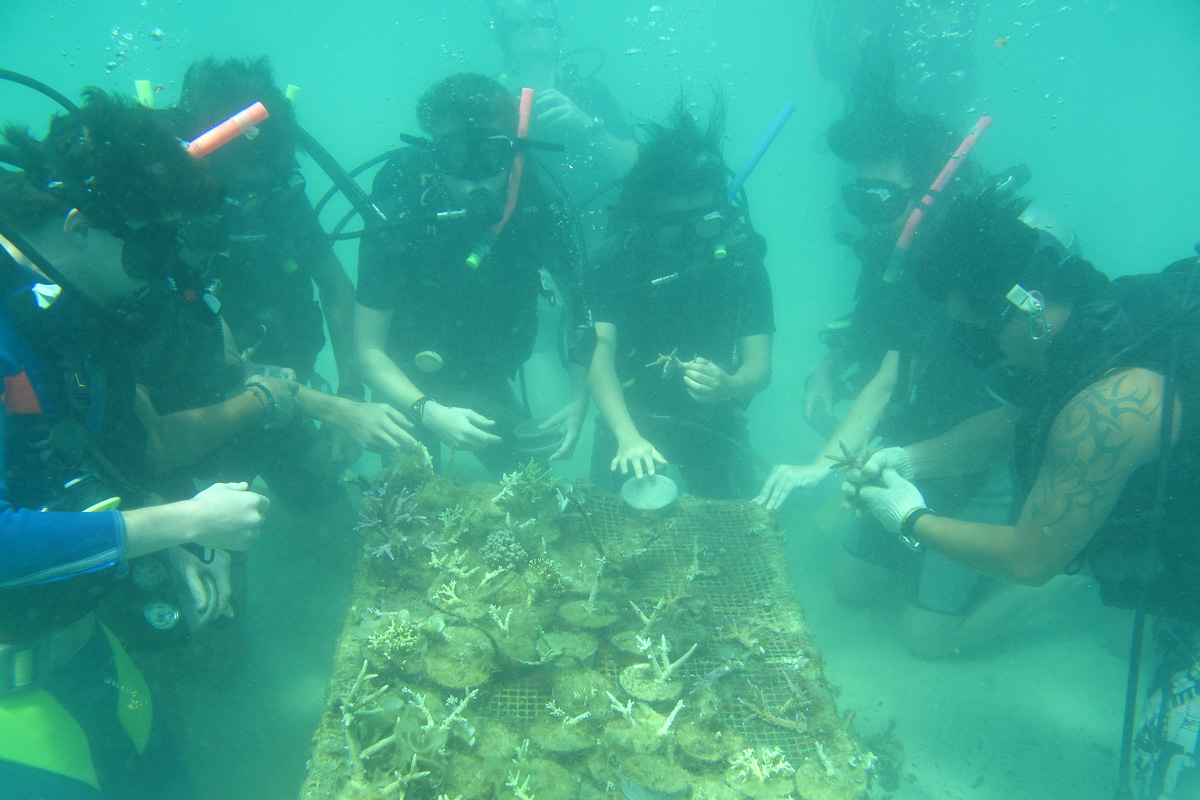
{"type": "Point", "coordinates": [908, 527]}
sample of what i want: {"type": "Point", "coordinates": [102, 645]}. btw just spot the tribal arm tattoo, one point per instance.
{"type": "Point", "coordinates": [1098, 440]}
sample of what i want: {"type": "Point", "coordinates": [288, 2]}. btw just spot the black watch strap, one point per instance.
{"type": "Point", "coordinates": [908, 527]}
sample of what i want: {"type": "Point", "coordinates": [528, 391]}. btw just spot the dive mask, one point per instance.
{"type": "Point", "coordinates": [876, 202]}
{"type": "Point", "coordinates": [680, 228]}
{"type": "Point", "coordinates": [474, 158]}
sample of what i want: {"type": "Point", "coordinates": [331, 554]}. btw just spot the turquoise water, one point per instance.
{"type": "Point", "coordinates": [1101, 98]}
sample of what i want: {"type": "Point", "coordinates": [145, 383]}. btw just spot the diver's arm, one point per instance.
{"type": "Point", "coordinates": [617, 155]}
{"type": "Point", "coordinates": [633, 451]}
{"type": "Point", "coordinates": [853, 432]}
{"type": "Point", "coordinates": [606, 386]}
{"type": "Point", "coordinates": [337, 304]}
{"type": "Point", "coordinates": [976, 444]}
{"type": "Point", "coordinates": [868, 407]}
{"type": "Point", "coordinates": [754, 374]}
{"type": "Point", "coordinates": [387, 381]}
{"type": "Point", "coordinates": [173, 440]}
{"type": "Point", "coordinates": [43, 546]}
{"type": "Point", "coordinates": [377, 427]}
{"type": "Point", "coordinates": [1097, 441]}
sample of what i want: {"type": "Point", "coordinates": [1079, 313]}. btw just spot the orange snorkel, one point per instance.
{"type": "Point", "coordinates": [240, 123]}
{"type": "Point", "coordinates": [514, 182]}
{"type": "Point", "coordinates": [896, 265]}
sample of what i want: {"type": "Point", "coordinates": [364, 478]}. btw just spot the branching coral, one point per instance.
{"type": "Point", "coordinates": [527, 482]}
{"type": "Point", "coordinates": [763, 765]}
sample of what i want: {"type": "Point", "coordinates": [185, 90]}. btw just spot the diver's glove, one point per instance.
{"type": "Point", "coordinates": [893, 458]}
{"type": "Point", "coordinates": [890, 503]}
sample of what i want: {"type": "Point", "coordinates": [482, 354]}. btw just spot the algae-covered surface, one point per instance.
{"type": "Point", "coordinates": [536, 640]}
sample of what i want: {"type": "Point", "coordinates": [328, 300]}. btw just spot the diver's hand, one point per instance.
{"type": "Point", "coordinates": [194, 571]}
{"type": "Point", "coordinates": [893, 458]}
{"type": "Point", "coordinates": [785, 478]}
{"type": "Point", "coordinates": [639, 455]}
{"type": "Point", "coordinates": [460, 428]}
{"type": "Point", "coordinates": [889, 503]}
{"type": "Point", "coordinates": [225, 516]}
{"type": "Point", "coordinates": [376, 426]}
{"type": "Point", "coordinates": [708, 383]}
{"type": "Point", "coordinates": [559, 113]}
{"type": "Point", "coordinates": [572, 416]}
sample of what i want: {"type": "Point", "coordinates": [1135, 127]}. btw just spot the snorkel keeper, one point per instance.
{"type": "Point", "coordinates": [896, 264]}
{"type": "Point", "coordinates": [484, 247]}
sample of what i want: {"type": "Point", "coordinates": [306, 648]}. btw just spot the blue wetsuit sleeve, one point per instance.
{"type": "Point", "coordinates": [39, 547]}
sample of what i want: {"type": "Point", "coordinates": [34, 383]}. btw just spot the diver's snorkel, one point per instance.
{"type": "Point", "coordinates": [739, 178]}
{"type": "Point", "coordinates": [241, 123]}
{"type": "Point", "coordinates": [484, 247]}
{"type": "Point", "coordinates": [756, 155]}
{"type": "Point", "coordinates": [896, 264]}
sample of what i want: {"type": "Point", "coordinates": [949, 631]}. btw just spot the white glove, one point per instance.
{"type": "Point", "coordinates": [893, 458]}
{"type": "Point", "coordinates": [889, 503]}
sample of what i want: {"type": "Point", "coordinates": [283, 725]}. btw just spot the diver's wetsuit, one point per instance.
{"type": "Point", "coordinates": [266, 274]}
{"type": "Point", "coordinates": [936, 388]}
{"type": "Point", "coordinates": [481, 321]}
{"type": "Point", "coordinates": [1136, 565]}
{"type": "Point", "coordinates": [85, 728]}
{"type": "Point", "coordinates": [704, 312]}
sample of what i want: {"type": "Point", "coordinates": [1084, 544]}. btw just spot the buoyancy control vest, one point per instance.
{"type": "Point", "coordinates": [1142, 557]}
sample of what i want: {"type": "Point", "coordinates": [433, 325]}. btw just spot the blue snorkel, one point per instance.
{"type": "Point", "coordinates": [767, 138]}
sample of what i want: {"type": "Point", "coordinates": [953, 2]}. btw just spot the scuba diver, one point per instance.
{"type": "Point", "coordinates": [448, 291]}
{"type": "Point", "coordinates": [264, 252]}
{"type": "Point", "coordinates": [683, 316]}
{"type": "Point", "coordinates": [907, 379]}
{"type": "Point", "coordinates": [1107, 478]}
{"type": "Point", "coordinates": [569, 106]}
{"type": "Point", "coordinates": [88, 227]}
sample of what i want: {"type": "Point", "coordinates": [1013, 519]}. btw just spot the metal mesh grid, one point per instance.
{"type": "Point", "coordinates": [520, 698]}
{"type": "Point", "coordinates": [742, 589]}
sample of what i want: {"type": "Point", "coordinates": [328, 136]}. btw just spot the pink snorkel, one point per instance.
{"type": "Point", "coordinates": [896, 266]}
{"type": "Point", "coordinates": [240, 123]}
{"type": "Point", "coordinates": [514, 177]}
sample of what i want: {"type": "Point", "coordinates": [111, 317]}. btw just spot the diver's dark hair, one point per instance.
{"type": "Point", "coordinates": [919, 142]}
{"type": "Point", "coordinates": [116, 161]}
{"type": "Point", "coordinates": [212, 91]}
{"type": "Point", "coordinates": [467, 101]}
{"type": "Point", "coordinates": [980, 247]}
{"type": "Point", "coordinates": [679, 158]}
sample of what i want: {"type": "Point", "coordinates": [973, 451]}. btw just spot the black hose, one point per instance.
{"type": "Point", "coordinates": [38, 86]}
{"type": "Point", "coordinates": [341, 179]}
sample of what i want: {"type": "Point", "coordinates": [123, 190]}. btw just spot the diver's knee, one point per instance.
{"type": "Point", "coordinates": [930, 634]}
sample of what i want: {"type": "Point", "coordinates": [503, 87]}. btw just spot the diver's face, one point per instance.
{"type": "Point", "coordinates": [882, 195]}
{"type": "Point", "coordinates": [90, 258]}
{"type": "Point", "coordinates": [680, 223]}
{"type": "Point", "coordinates": [474, 165]}
{"type": "Point", "coordinates": [534, 46]}
{"type": "Point", "coordinates": [988, 337]}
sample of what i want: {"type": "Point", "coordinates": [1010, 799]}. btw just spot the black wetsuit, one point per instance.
{"type": "Point", "coordinates": [704, 312]}
{"type": "Point", "coordinates": [482, 321]}
{"type": "Point", "coordinates": [266, 273]}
